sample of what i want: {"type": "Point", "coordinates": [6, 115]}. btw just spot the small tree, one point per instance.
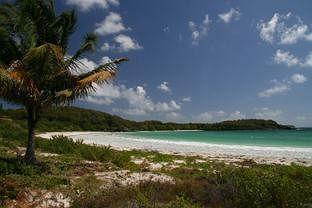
{"type": "Point", "coordinates": [35, 70]}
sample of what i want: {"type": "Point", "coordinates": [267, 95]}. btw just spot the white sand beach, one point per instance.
{"type": "Point", "coordinates": [226, 153]}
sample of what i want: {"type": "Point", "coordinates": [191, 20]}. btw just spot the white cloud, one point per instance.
{"type": "Point", "coordinates": [174, 117]}
{"type": "Point", "coordinates": [166, 107]}
{"type": "Point", "coordinates": [105, 59]}
{"type": "Point", "coordinates": [126, 43]}
{"type": "Point", "coordinates": [187, 99]}
{"type": "Point", "coordinates": [294, 33]}
{"type": "Point", "coordinates": [236, 116]}
{"type": "Point", "coordinates": [285, 57]}
{"type": "Point", "coordinates": [122, 43]}
{"type": "Point", "coordinates": [283, 87]}
{"type": "Point", "coordinates": [112, 24]}
{"type": "Point", "coordinates": [277, 88]}
{"type": "Point", "coordinates": [164, 87]}
{"type": "Point", "coordinates": [268, 29]}
{"type": "Point", "coordinates": [204, 117]}
{"type": "Point", "coordinates": [199, 31]}
{"type": "Point", "coordinates": [103, 95]}
{"type": "Point", "coordinates": [227, 17]}
{"type": "Point", "coordinates": [308, 61]}
{"type": "Point", "coordinates": [213, 116]}
{"type": "Point", "coordinates": [136, 98]}
{"type": "Point", "coordinates": [298, 78]}
{"type": "Point", "coordinates": [217, 116]}
{"type": "Point", "coordinates": [284, 29]}
{"type": "Point", "coordinates": [86, 5]}
{"type": "Point", "coordinates": [267, 114]}
{"type": "Point", "coordinates": [85, 65]}
{"type": "Point", "coordinates": [107, 47]}
{"type": "Point", "coordinates": [138, 101]}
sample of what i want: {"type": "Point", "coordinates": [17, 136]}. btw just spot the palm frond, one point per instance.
{"type": "Point", "coordinates": [65, 25]}
{"type": "Point", "coordinates": [17, 87]}
{"type": "Point", "coordinates": [101, 74]}
{"type": "Point", "coordinates": [44, 61]}
{"type": "Point", "coordinates": [85, 82]}
{"type": "Point", "coordinates": [88, 45]}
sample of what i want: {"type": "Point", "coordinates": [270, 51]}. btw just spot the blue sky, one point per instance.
{"type": "Point", "coordinates": [201, 61]}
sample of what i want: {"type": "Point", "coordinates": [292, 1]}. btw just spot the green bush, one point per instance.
{"type": "Point", "coordinates": [63, 145]}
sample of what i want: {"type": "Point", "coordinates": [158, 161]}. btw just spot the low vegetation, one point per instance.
{"type": "Point", "coordinates": [70, 167]}
{"type": "Point", "coordinates": [78, 119]}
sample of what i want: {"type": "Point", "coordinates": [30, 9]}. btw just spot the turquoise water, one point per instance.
{"type": "Point", "coordinates": [268, 138]}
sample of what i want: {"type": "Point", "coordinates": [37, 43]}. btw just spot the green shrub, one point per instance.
{"type": "Point", "coordinates": [63, 145]}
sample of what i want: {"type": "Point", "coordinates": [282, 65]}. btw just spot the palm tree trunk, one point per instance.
{"type": "Point", "coordinates": [30, 156]}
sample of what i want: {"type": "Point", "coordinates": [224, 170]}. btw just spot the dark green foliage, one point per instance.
{"type": "Point", "coordinates": [12, 130]}
{"type": "Point", "coordinates": [66, 146]}
{"type": "Point", "coordinates": [247, 124]}
{"type": "Point", "coordinates": [78, 119]}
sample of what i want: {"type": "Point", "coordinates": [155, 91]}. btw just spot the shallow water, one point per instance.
{"type": "Point", "coordinates": [282, 147]}
{"type": "Point", "coordinates": [269, 138]}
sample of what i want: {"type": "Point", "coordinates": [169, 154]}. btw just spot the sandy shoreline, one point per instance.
{"type": "Point", "coordinates": [226, 153]}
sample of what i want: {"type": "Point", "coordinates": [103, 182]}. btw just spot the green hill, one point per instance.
{"type": "Point", "coordinates": [78, 119]}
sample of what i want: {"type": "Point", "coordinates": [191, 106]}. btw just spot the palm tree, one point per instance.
{"type": "Point", "coordinates": [35, 69]}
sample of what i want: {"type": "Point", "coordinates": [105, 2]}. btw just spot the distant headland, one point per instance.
{"type": "Point", "coordinates": [79, 119]}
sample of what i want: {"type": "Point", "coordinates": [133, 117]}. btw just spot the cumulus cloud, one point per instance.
{"type": "Point", "coordinates": [236, 116]}
{"type": "Point", "coordinates": [164, 86]}
{"type": "Point", "coordinates": [86, 5]}
{"type": "Point", "coordinates": [174, 117]}
{"type": "Point", "coordinates": [204, 117]}
{"type": "Point", "coordinates": [187, 99]}
{"type": "Point", "coordinates": [110, 25]}
{"type": "Point", "coordinates": [106, 47]}
{"type": "Point", "coordinates": [298, 78]}
{"type": "Point", "coordinates": [198, 31]}
{"type": "Point", "coordinates": [285, 57]}
{"type": "Point", "coordinates": [84, 65]}
{"type": "Point", "coordinates": [137, 99]}
{"type": "Point", "coordinates": [105, 59]}
{"type": "Point", "coordinates": [282, 87]}
{"type": "Point", "coordinates": [122, 43]}
{"type": "Point", "coordinates": [284, 29]}
{"type": "Point", "coordinates": [268, 114]}
{"type": "Point", "coordinates": [308, 61]}
{"type": "Point", "coordinates": [277, 88]}
{"type": "Point", "coordinates": [268, 29]}
{"type": "Point", "coordinates": [227, 17]}
{"type": "Point", "coordinates": [127, 43]}
{"type": "Point", "coordinates": [213, 116]}
{"type": "Point", "coordinates": [103, 95]}
{"type": "Point", "coordinates": [217, 116]}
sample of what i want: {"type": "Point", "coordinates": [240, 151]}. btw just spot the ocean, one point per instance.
{"type": "Point", "coordinates": [301, 138]}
